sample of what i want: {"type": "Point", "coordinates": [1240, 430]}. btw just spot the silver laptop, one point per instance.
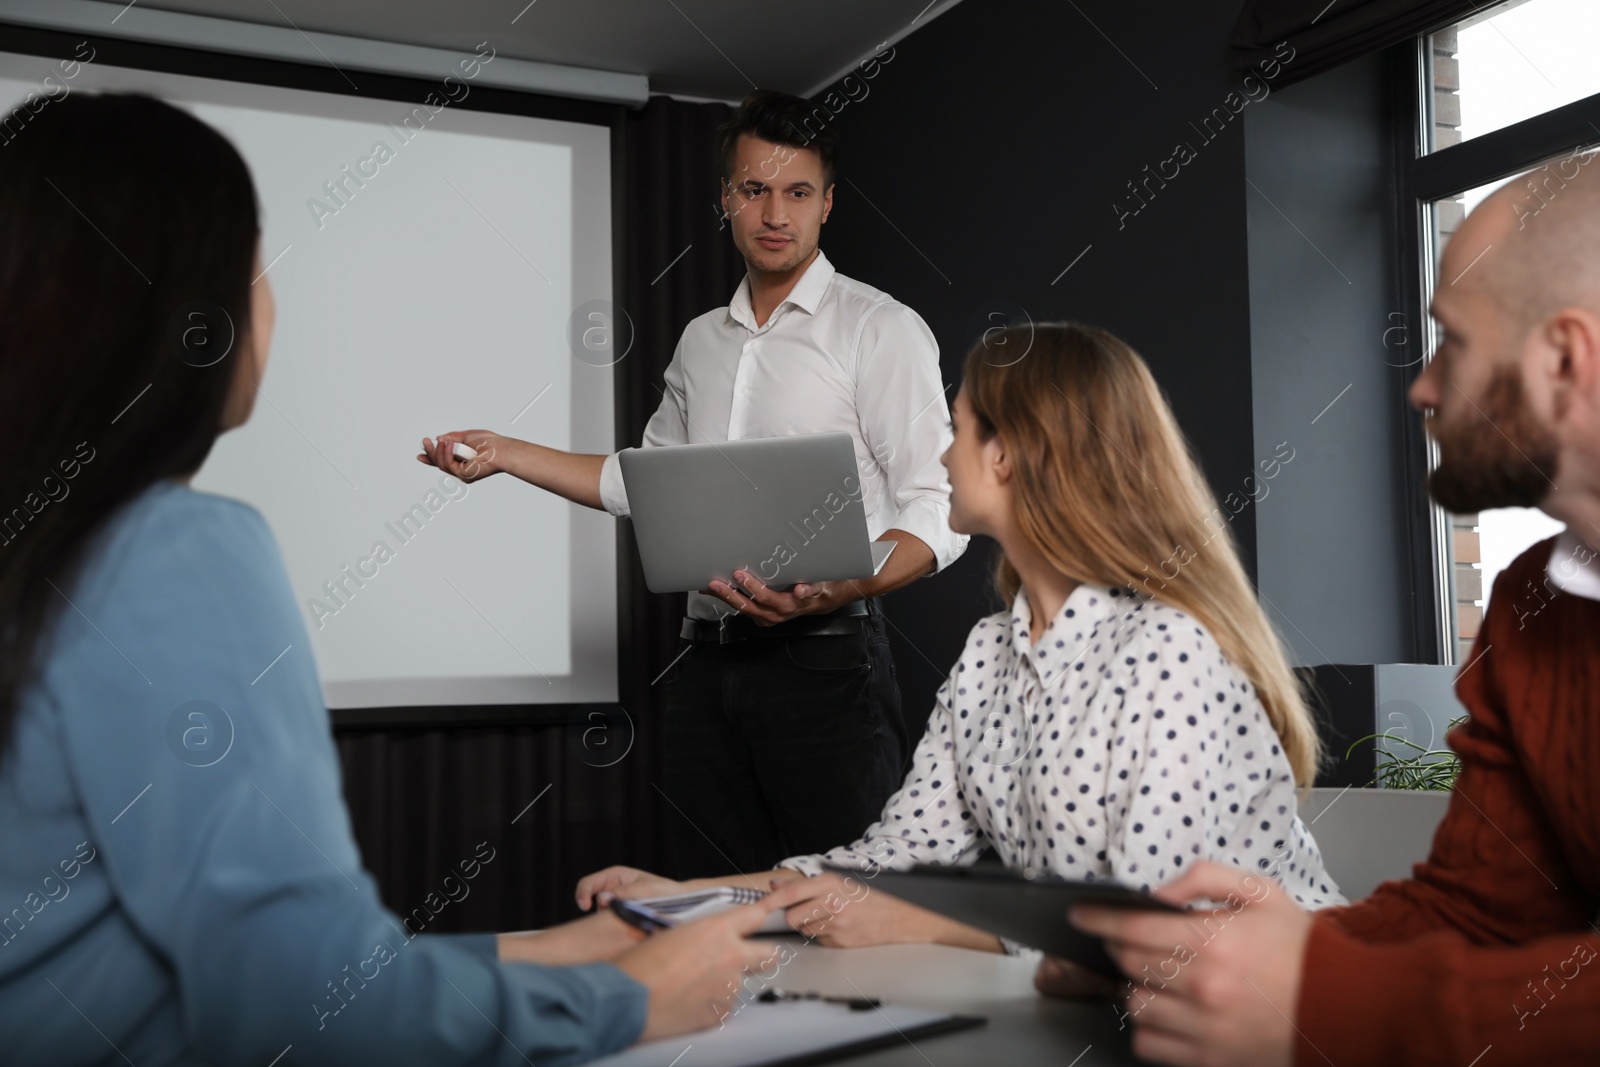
{"type": "Point", "coordinates": [788, 509]}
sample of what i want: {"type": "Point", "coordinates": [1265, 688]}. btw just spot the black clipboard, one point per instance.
{"type": "Point", "coordinates": [1003, 902]}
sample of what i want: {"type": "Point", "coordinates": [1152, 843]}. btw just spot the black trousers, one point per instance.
{"type": "Point", "coordinates": [779, 746]}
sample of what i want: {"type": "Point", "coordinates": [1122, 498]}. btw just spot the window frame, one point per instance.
{"type": "Point", "coordinates": [1422, 179]}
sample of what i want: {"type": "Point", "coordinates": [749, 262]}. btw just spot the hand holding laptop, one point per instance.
{"type": "Point", "coordinates": [754, 599]}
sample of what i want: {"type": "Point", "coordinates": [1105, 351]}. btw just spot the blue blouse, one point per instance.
{"type": "Point", "coordinates": [178, 879]}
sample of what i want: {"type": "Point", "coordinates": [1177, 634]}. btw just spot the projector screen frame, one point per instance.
{"type": "Point", "coordinates": [55, 45]}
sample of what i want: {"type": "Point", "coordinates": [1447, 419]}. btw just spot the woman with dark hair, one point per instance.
{"type": "Point", "coordinates": [178, 880]}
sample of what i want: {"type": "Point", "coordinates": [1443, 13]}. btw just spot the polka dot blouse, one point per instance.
{"type": "Point", "coordinates": [1124, 746]}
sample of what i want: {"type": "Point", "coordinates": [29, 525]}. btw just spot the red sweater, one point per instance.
{"type": "Point", "coordinates": [1489, 954]}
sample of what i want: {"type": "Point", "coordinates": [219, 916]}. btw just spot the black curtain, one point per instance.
{"type": "Point", "coordinates": [676, 261]}
{"type": "Point", "coordinates": [1325, 34]}
{"type": "Point", "coordinates": [426, 799]}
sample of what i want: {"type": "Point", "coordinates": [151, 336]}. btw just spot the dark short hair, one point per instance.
{"type": "Point", "coordinates": [780, 119]}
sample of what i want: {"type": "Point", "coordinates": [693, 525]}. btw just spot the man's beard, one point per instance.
{"type": "Point", "coordinates": [1499, 456]}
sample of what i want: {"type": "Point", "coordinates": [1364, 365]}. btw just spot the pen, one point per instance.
{"type": "Point", "coordinates": [771, 996]}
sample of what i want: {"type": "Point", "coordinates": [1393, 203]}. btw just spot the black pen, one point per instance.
{"type": "Point", "coordinates": [856, 1003]}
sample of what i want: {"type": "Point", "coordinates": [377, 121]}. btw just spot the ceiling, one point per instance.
{"type": "Point", "coordinates": [714, 49]}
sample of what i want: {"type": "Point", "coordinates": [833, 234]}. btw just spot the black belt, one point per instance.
{"type": "Point", "coordinates": [850, 619]}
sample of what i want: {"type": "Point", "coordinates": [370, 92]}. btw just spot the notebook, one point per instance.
{"type": "Point", "coordinates": [687, 907]}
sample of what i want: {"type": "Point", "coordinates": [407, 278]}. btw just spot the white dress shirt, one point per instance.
{"type": "Point", "coordinates": [835, 355]}
{"type": "Point", "coordinates": [1123, 747]}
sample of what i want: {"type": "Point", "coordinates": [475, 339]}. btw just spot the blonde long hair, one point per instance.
{"type": "Point", "coordinates": [1107, 490]}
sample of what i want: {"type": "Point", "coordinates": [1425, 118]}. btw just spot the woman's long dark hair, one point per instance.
{"type": "Point", "coordinates": [127, 236]}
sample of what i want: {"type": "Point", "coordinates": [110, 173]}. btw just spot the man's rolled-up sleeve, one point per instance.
{"type": "Point", "coordinates": [905, 419]}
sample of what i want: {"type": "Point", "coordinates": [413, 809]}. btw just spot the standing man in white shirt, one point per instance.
{"type": "Point", "coordinates": [784, 733]}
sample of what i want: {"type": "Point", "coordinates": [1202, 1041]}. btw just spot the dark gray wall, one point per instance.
{"type": "Point", "coordinates": [1326, 327]}
{"type": "Point", "coordinates": [992, 149]}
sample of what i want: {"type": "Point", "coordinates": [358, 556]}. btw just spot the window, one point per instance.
{"type": "Point", "coordinates": [1511, 87]}
{"type": "Point", "coordinates": [1510, 62]}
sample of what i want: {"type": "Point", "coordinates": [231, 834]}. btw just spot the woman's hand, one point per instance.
{"type": "Point", "coordinates": [440, 453]}
{"type": "Point", "coordinates": [601, 936]}
{"type": "Point", "coordinates": [693, 972]}
{"type": "Point", "coordinates": [628, 883]}
{"type": "Point", "coordinates": [1057, 977]}
{"type": "Point", "coordinates": [846, 912]}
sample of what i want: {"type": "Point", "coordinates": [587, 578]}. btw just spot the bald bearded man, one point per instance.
{"type": "Point", "coordinates": [1487, 954]}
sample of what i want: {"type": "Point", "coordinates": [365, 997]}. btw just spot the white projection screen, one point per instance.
{"type": "Point", "coordinates": [434, 294]}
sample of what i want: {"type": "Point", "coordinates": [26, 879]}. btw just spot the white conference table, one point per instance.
{"type": "Point", "coordinates": [1023, 1028]}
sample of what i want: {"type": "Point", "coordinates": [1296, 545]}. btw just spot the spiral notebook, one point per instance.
{"type": "Point", "coordinates": [687, 907]}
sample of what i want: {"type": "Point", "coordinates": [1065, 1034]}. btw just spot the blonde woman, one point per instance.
{"type": "Point", "coordinates": [1130, 713]}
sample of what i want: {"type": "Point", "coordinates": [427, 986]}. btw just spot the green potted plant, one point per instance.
{"type": "Point", "coordinates": [1412, 766]}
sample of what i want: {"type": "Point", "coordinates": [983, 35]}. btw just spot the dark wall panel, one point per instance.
{"type": "Point", "coordinates": [993, 150]}
{"type": "Point", "coordinates": [1334, 351]}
